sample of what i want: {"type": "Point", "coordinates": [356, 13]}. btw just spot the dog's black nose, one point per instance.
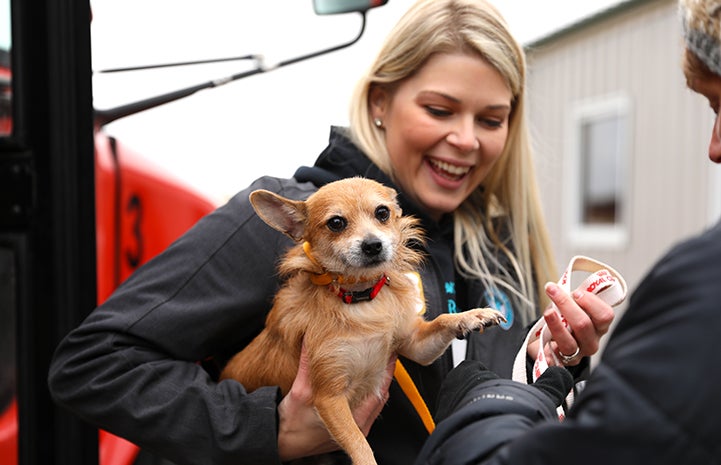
{"type": "Point", "coordinates": [372, 247]}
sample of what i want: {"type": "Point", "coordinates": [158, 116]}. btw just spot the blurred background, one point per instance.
{"type": "Point", "coordinates": [221, 139]}
{"type": "Point", "coordinates": [614, 127]}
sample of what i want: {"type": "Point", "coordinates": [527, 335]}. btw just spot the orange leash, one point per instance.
{"type": "Point", "coordinates": [411, 391]}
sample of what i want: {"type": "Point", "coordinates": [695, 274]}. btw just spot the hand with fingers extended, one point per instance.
{"type": "Point", "coordinates": [576, 325]}
{"type": "Point", "coordinates": [478, 412]}
{"type": "Point", "coordinates": [301, 433]}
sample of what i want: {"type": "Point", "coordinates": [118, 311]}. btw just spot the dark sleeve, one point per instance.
{"type": "Point", "coordinates": [490, 415]}
{"type": "Point", "coordinates": [651, 398]}
{"type": "Point", "coordinates": [132, 367]}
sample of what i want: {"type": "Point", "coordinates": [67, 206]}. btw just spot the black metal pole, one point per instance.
{"type": "Point", "coordinates": [53, 141]}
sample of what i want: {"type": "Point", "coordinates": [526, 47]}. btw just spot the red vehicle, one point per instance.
{"type": "Point", "coordinates": [139, 211]}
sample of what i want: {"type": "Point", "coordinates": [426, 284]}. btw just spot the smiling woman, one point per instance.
{"type": "Point", "coordinates": [438, 115]}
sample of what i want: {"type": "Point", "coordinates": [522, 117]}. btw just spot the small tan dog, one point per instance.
{"type": "Point", "coordinates": [349, 300]}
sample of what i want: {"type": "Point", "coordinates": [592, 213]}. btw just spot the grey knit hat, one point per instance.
{"type": "Point", "coordinates": [702, 30]}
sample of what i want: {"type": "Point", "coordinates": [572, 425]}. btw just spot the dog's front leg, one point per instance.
{"type": "Point", "coordinates": [430, 339]}
{"type": "Point", "coordinates": [338, 418]}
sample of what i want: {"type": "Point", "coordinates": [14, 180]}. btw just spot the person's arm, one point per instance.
{"type": "Point", "coordinates": [132, 366]}
{"type": "Point", "coordinates": [478, 412]}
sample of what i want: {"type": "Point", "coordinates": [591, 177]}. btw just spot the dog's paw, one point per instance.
{"type": "Point", "coordinates": [477, 319]}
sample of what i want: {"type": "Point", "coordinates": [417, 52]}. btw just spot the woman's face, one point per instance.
{"type": "Point", "coordinates": [711, 89]}
{"type": "Point", "coordinates": [445, 127]}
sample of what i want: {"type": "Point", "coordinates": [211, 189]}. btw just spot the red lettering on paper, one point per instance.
{"type": "Point", "coordinates": [564, 278]}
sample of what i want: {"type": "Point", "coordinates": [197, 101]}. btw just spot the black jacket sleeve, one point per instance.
{"type": "Point", "coordinates": [479, 412]}
{"type": "Point", "coordinates": [133, 366]}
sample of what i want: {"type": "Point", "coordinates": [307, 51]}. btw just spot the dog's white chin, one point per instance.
{"type": "Point", "coordinates": [360, 262]}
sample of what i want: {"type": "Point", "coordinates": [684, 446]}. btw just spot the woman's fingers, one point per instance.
{"type": "Point", "coordinates": [583, 319]}
{"type": "Point", "coordinates": [563, 344]}
{"type": "Point", "coordinates": [301, 432]}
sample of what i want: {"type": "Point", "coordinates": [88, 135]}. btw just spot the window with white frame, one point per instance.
{"type": "Point", "coordinates": [598, 191]}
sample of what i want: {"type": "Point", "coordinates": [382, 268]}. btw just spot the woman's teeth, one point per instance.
{"type": "Point", "coordinates": [449, 170]}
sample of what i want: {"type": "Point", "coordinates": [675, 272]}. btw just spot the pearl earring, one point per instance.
{"type": "Point", "coordinates": [378, 122]}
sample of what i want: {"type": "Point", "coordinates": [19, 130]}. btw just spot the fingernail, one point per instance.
{"type": "Point", "coordinates": [577, 294]}
{"type": "Point", "coordinates": [551, 289]}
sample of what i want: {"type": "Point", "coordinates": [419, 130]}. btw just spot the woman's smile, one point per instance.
{"type": "Point", "coordinates": [449, 171]}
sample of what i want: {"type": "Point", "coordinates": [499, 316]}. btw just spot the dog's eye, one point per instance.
{"type": "Point", "coordinates": [337, 224]}
{"type": "Point", "coordinates": [383, 213]}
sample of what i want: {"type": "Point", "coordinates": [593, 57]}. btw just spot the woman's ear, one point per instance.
{"type": "Point", "coordinates": [378, 101]}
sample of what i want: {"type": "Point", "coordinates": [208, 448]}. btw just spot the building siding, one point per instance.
{"type": "Point", "coordinates": [635, 53]}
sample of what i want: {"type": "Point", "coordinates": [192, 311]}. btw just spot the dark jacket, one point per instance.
{"type": "Point", "coordinates": [143, 364]}
{"type": "Point", "coordinates": [655, 398]}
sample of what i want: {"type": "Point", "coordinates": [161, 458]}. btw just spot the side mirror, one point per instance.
{"type": "Point", "coordinates": [333, 7]}
{"type": "Point", "coordinates": [321, 7]}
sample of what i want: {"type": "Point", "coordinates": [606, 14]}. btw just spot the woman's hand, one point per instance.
{"type": "Point", "coordinates": [301, 432]}
{"type": "Point", "coordinates": [577, 331]}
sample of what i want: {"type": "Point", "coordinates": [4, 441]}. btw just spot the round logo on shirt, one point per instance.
{"type": "Point", "coordinates": [499, 300]}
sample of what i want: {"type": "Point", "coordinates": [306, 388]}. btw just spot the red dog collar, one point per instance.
{"type": "Point", "coordinates": [352, 297]}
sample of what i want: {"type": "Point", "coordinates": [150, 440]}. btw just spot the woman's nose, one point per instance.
{"type": "Point", "coordinates": [463, 135]}
{"type": "Point", "coordinates": [714, 147]}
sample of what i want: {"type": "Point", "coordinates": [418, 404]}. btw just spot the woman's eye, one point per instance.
{"type": "Point", "coordinates": [337, 224]}
{"type": "Point", "coordinates": [383, 213]}
{"type": "Point", "coordinates": [435, 111]}
{"type": "Point", "coordinates": [491, 122]}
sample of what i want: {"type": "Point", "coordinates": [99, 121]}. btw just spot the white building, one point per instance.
{"type": "Point", "coordinates": [621, 142]}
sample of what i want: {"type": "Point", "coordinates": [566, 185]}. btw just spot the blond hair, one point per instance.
{"type": "Point", "coordinates": [507, 204]}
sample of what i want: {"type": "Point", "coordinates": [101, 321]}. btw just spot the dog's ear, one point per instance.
{"type": "Point", "coordinates": [285, 215]}
{"type": "Point", "coordinates": [393, 195]}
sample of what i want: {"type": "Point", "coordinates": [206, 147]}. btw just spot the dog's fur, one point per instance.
{"type": "Point", "coordinates": [356, 234]}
